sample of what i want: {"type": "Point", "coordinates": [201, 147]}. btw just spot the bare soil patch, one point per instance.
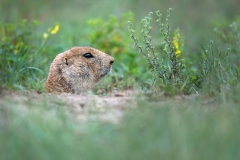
{"type": "Point", "coordinates": [85, 107]}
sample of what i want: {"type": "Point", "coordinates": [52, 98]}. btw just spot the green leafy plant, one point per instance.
{"type": "Point", "coordinates": [20, 51]}
{"type": "Point", "coordinates": [168, 68]}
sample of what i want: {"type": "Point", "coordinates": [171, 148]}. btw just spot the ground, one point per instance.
{"type": "Point", "coordinates": [107, 108]}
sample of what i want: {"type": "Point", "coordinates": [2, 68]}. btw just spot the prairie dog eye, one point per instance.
{"type": "Point", "coordinates": [88, 55]}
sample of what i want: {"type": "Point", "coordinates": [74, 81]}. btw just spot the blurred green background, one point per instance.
{"type": "Point", "coordinates": [193, 17]}
{"type": "Point", "coordinates": [205, 125]}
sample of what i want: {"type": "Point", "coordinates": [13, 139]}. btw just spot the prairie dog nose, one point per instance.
{"type": "Point", "coordinates": [111, 61]}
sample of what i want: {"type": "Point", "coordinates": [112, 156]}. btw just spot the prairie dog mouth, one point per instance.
{"type": "Point", "coordinates": [106, 71]}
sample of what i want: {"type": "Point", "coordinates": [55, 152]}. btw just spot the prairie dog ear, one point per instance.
{"type": "Point", "coordinates": [65, 60]}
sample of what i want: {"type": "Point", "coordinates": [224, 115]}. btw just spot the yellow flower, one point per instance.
{"type": "Point", "coordinates": [45, 35]}
{"type": "Point", "coordinates": [55, 29]}
{"type": "Point", "coordinates": [176, 40]}
{"type": "Point", "coordinates": [178, 53]}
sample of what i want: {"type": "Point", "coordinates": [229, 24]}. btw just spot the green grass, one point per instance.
{"type": "Point", "coordinates": [159, 127]}
{"type": "Point", "coordinates": [167, 129]}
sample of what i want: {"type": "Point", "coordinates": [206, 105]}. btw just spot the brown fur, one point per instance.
{"type": "Point", "coordinates": [71, 72]}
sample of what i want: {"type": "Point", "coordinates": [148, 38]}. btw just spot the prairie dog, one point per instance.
{"type": "Point", "coordinates": [77, 70]}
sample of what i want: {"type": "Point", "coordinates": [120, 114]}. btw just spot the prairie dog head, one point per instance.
{"type": "Point", "coordinates": [78, 70]}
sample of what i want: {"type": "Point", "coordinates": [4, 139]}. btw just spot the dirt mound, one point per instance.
{"type": "Point", "coordinates": [107, 108]}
